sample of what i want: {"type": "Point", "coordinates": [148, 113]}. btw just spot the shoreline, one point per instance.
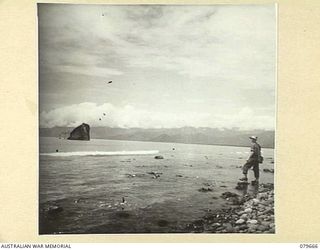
{"type": "Point", "coordinates": [249, 213]}
{"type": "Point", "coordinates": [254, 213]}
{"type": "Point", "coordinates": [192, 143]}
{"type": "Point", "coordinates": [210, 202]}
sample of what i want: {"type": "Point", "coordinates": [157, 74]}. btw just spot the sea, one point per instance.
{"type": "Point", "coordinates": [115, 186]}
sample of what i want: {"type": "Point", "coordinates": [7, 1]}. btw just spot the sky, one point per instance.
{"type": "Point", "coordinates": [170, 65]}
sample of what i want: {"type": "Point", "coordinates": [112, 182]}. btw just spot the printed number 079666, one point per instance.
{"type": "Point", "coordinates": [308, 245]}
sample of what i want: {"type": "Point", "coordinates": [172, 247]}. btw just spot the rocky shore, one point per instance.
{"type": "Point", "coordinates": [251, 213]}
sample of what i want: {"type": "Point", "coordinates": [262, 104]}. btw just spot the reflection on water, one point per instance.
{"type": "Point", "coordinates": [251, 190]}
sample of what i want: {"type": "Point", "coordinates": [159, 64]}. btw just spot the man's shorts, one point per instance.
{"type": "Point", "coordinates": [252, 163]}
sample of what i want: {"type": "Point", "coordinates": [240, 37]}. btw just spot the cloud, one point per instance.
{"type": "Point", "coordinates": [129, 116]}
{"type": "Point", "coordinates": [237, 43]}
{"type": "Point", "coordinates": [89, 71]}
{"type": "Point", "coordinates": [216, 59]}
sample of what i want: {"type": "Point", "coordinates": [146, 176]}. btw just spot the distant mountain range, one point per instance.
{"type": "Point", "coordinates": [211, 136]}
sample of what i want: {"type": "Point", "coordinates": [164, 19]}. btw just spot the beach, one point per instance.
{"type": "Point", "coordinates": [105, 186]}
{"type": "Point", "coordinates": [252, 213]}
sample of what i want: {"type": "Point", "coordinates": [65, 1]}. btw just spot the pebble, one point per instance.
{"type": "Point", "coordinates": [262, 228]}
{"type": "Point", "coordinates": [158, 157]}
{"type": "Point", "coordinates": [244, 216]}
{"type": "Point", "coordinates": [256, 215]}
{"type": "Point", "coordinates": [262, 196]}
{"type": "Point", "coordinates": [250, 216]}
{"type": "Point", "coordinates": [242, 227]}
{"type": "Point", "coordinates": [248, 210]}
{"type": "Point", "coordinates": [240, 213]}
{"type": "Point", "coordinates": [205, 189]}
{"type": "Point", "coordinates": [55, 210]}
{"type": "Point", "coordinates": [269, 211]}
{"type": "Point", "coordinates": [253, 226]}
{"type": "Point", "coordinates": [226, 195]}
{"type": "Point", "coordinates": [255, 201]}
{"type": "Point", "coordinates": [264, 203]}
{"type": "Point", "coordinates": [252, 221]}
{"type": "Point", "coordinates": [228, 227]}
{"type": "Point", "coordinates": [240, 221]}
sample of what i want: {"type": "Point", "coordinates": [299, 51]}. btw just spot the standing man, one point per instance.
{"type": "Point", "coordinates": [253, 161]}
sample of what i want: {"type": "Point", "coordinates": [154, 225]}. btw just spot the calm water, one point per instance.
{"type": "Point", "coordinates": [89, 180]}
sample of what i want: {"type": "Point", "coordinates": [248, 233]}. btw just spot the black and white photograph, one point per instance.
{"type": "Point", "coordinates": [157, 118]}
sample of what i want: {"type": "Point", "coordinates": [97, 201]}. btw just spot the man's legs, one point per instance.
{"type": "Point", "coordinates": [245, 168]}
{"type": "Point", "coordinates": [256, 171]}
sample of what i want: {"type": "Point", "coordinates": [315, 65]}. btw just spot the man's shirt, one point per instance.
{"type": "Point", "coordinates": [255, 148]}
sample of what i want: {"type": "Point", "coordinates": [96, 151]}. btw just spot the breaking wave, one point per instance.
{"type": "Point", "coordinates": [101, 153]}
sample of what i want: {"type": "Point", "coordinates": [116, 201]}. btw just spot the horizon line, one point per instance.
{"type": "Point", "coordinates": [219, 128]}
